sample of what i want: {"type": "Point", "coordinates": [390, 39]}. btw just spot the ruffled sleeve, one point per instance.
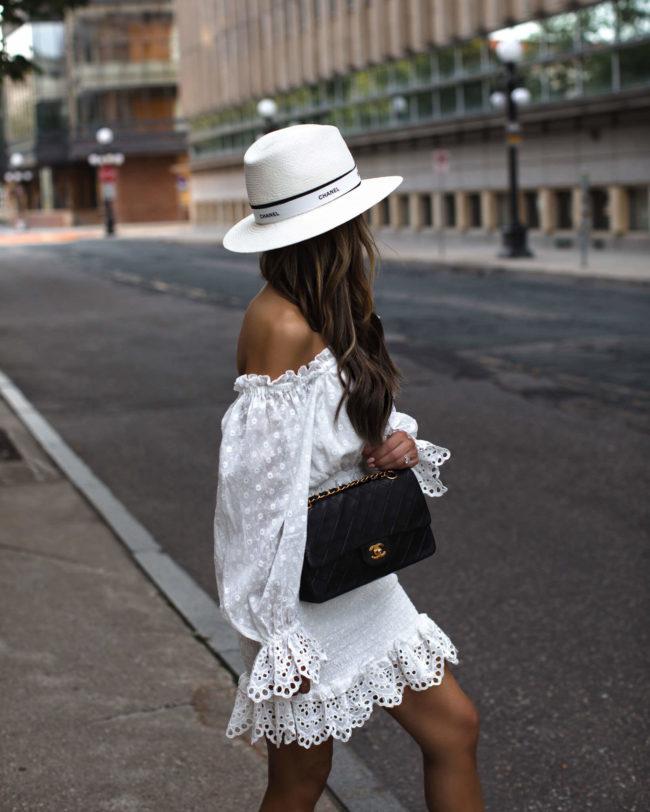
{"type": "Point", "coordinates": [431, 456]}
{"type": "Point", "coordinates": [260, 526]}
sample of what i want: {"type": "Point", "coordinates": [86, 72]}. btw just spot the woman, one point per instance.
{"type": "Point", "coordinates": [314, 409]}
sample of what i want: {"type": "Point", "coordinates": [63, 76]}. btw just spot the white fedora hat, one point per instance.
{"type": "Point", "coordinates": [301, 181]}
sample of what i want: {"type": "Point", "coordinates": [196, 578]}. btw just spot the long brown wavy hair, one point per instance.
{"type": "Point", "coordinates": [326, 278]}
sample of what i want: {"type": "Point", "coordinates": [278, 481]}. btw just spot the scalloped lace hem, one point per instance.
{"type": "Point", "coordinates": [335, 710]}
{"type": "Point", "coordinates": [320, 363]}
{"type": "Point", "coordinates": [281, 664]}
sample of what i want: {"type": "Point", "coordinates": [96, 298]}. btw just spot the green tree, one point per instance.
{"type": "Point", "coordinates": [17, 12]}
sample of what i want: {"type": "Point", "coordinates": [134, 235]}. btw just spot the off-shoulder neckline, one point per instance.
{"type": "Point", "coordinates": [323, 361]}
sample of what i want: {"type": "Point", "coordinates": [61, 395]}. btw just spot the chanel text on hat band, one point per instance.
{"type": "Point", "coordinates": [306, 201]}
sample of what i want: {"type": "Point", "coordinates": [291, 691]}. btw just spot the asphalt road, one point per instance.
{"type": "Point", "coordinates": [540, 387]}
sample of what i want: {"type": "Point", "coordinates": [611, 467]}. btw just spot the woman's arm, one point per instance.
{"type": "Point", "coordinates": [261, 520]}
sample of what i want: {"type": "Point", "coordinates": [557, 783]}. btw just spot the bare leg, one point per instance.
{"type": "Point", "coordinates": [444, 723]}
{"type": "Point", "coordinates": [297, 776]}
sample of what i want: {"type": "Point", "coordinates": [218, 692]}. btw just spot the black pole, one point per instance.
{"type": "Point", "coordinates": [109, 219]}
{"type": "Point", "coordinates": [514, 233]}
{"type": "Point", "coordinates": [269, 126]}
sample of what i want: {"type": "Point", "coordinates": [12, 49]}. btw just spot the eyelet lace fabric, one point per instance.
{"type": "Point", "coordinates": [428, 468]}
{"type": "Point", "coordinates": [417, 662]}
{"type": "Point", "coordinates": [281, 443]}
{"type": "Point", "coordinates": [281, 664]}
{"type": "Point", "coordinates": [431, 456]}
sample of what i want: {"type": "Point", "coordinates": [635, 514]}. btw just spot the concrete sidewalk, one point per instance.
{"type": "Point", "coordinates": [630, 263]}
{"type": "Point", "coordinates": [109, 702]}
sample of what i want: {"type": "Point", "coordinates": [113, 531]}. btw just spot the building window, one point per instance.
{"type": "Point", "coordinates": [473, 97]}
{"type": "Point", "coordinates": [446, 62]}
{"type": "Point", "coordinates": [635, 22]}
{"type": "Point", "coordinates": [423, 68]}
{"type": "Point", "coordinates": [361, 85]}
{"type": "Point", "coordinates": [471, 56]}
{"type": "Point", "coordinates": [349, 118]}
{"type": "Point", "coordinates": [634, 65]}
{"type": "Point", "coordinates": [382, 75]}
{"type": "Point", "coordinates": [531, 207]}
{"type": "Point", "coordinates": [598, 203]}
{"type": "Point", "coordinates": [560, 33]}
{"type": "Point", "coordinates": [426, 211]}
{"type": "Point", "coordinates": [404, 211]}
{"type": "Point", "coordinates": [384, 112]}
{"type": "Point", "coordinates": [563, 209]}
{"type": "Point", "coordinates": [596, 73]}
{"type": "Point", "coordinates": [366, 116]}
{"type": "Point", "coordinates": [474, 201]}
{"type": "Point", "coordinates": [424, 105]}
{"type": "Point", "coordinates": [638, 198]}
{"type": "Point", "coordinates": [598, 24]}
{"type": "Point", "coordinates": [450, 210]}
{"type": "Point", "coordinates": [402, 72]}
{"type": "Point", "coordinates": [562, 79]}
{"type": "Point", "coordinates": [448, 100]}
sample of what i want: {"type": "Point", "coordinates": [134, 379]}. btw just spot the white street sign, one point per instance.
{"type": "Point", "coordinates": [108, 191]}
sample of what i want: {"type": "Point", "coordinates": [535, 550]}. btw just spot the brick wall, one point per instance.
{"type": "Point", "coordinates": [146, 190]}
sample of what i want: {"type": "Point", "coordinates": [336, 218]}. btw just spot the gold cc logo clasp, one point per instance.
{"type": "Point", "coordinates": [377, 551]}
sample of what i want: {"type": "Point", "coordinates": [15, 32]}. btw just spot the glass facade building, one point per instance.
{"type": "Point", "coordinates": [401, 79]}
{"type": "Point", "coordinates": [595, 51]}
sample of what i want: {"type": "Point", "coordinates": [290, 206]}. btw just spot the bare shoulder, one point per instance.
{"type": "Point", "coordinates": [275, 337]}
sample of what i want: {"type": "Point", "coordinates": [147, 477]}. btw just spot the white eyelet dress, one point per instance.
{"type": "Point", "coordinates": [280, 444]}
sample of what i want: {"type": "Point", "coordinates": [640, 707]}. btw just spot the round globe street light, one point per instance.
{"type": "Point", "coordinates": [510, 50]}
{"type": "Point", "coordinates": [510, 95]}
{"type": "Point", "coordinates": [267, 109]}
{"type": "Point", "coordinates": [104, 136]}
{"type": "Point", "coordinates": [107, 176]}
{"type": "Point", "coordinates": [521, 96]}
{"type": "Point", "coordinates": [498, 100]}
{"type": "Point", "coordinates": [399, 107]}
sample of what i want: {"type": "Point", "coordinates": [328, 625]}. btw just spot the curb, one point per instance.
{"type": "Point", "coordinates": [352, 783]}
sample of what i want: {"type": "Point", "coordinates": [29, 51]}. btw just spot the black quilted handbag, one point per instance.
{"type": "Point", "coordinates": [362, 531]}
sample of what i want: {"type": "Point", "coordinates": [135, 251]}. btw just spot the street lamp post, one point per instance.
{"type": "Point", "coordinates": [511, 96]}
{"type": "Point", "coordinates": [107, 163]}
{"type": "Point", "coordinates": [17, 176]}
{"type": "Point", "coordinates": [104, 137]}
{"type": "Point", "coordinates": [267, 110]}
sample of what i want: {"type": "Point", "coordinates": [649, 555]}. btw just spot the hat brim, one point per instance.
{"type": "Point", "coordinates": [249, 237]}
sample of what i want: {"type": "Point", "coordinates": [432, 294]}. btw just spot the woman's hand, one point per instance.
{"type": "Point", "coordinates": [398, 451]}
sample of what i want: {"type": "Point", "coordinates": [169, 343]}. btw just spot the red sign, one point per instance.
{"type": "Point", "coordinates": [441, 160]}
{"type": "Point", "coordinates": [107, 174]}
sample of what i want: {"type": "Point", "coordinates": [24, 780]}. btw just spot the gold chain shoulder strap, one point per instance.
{"type": "Point", "coordinates": [389, 474]}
